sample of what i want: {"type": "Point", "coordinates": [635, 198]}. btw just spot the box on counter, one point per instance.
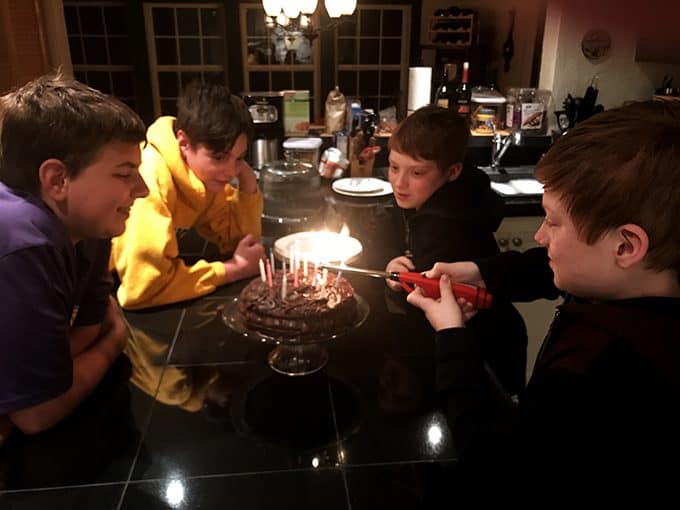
{"type": "Point", "coordinates": [295, 112]}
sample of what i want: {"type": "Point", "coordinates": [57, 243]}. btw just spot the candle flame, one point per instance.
{"type": "Point", "coordinates": [344, 231]}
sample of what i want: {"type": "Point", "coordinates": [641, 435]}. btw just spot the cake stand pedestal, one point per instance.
{"type": "Point", "coordinates": [299, 355]}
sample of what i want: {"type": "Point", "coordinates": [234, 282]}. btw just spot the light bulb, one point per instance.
{"type": "Point", "coordinates": [282, 19]}
{"type": "Point", "coordinates": [308, 6]}
{"type": "Point", "coordinates": [334, 8]}
{"type": "Point", "coordinates": [291, 8]}
{"type": "Point", "coordinates": [348, 7]}
{"type": "Point", "coordinates": [272, 7]}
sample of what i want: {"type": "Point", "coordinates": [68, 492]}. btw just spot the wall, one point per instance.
{"type": "Point", "coordinates": [564, 69]}
{"type": "Point", "coordinates": [22, 48]}
{"type": "Point", "coordinates": [494, 25]}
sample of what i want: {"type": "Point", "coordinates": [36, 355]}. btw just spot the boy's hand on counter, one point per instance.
{"type": "Point", "coordinates": [398, 264]}
{"type": "Point", "coordinates": [445, 312]}
{"type": "Point", "coordinates": [244, 262]}
{"type": "Point", "coordinates": [463, 272]}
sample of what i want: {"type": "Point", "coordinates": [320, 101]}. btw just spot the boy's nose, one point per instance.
{"type": "Point", "coordinates": [140, 189]}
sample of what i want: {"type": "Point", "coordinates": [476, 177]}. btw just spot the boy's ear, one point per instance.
{"type": "Point", "coordinates": [54, 181]}
{"type": "Point", "coordinates": [632, 245]}
{"type": "Point", "coordinates": [454, 171]}
{"type": "Point", "coordinates": [184, 140]}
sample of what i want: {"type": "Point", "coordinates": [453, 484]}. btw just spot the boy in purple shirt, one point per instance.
{"type": "Point", "coordinates": [68, 177]}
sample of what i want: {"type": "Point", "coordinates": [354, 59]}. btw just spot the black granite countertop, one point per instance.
{"type": "Point", "coordinates": [193, 416]}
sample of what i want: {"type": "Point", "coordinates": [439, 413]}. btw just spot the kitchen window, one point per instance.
{"type": "Point", "coordinates": [98, 43]}
{"type": "Point", "coordinates": [185, 42]}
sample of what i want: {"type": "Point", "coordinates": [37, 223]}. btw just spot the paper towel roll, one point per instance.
{"type": "Point", "coordinates": [419, 87]}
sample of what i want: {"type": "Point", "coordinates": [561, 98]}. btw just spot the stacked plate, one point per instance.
{"type": "Point", "coordinates": [362, 187]}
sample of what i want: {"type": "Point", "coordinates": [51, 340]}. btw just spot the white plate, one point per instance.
{"type": "Point", "coordinates": [518, 187]}
{"type": "Point", "coordinates": [362, 187]}
{"type": "Point", "coordinates": [319, 246]}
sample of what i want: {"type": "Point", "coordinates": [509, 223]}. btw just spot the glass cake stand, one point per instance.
{"type": "Point", "coordinates": [298, 355]}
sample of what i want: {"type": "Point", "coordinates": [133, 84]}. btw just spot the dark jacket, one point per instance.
{"type": "Point", "coordinates": [457, 223]}
{"type": "Point", "coordinates": [600, 413]}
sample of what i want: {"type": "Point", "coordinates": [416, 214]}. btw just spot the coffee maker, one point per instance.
{"type": "Point", "coordinates": [266, 110]}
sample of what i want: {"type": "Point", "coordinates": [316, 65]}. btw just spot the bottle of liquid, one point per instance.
{"type": "Point", "coordinates": [441, 95]}
{"type": "Point", "coordinates": [463, 93]}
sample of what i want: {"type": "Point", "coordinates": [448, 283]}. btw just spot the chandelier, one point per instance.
{"type": "Point", "coordinates": [296, 15]}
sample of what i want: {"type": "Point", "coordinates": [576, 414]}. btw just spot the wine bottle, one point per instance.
{"type": "Point", "coordinates": [441, 95]}
{"type": "Point", "coordinates": [463, 93]}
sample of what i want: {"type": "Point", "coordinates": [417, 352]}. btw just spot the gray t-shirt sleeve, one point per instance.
{"type": "Point", "coordinates": [35, 310]}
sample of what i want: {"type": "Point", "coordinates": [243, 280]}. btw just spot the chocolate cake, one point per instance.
{"type": "Point", "coordinates": [308, 310]}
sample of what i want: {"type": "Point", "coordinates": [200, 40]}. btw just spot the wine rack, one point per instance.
{"type": "Point", "coordinates": [453, 31]}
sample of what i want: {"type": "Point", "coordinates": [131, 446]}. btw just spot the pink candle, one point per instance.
{"type": "Point", "coordinates": [296, 263]}
{"type": "Point", "coordinates": [269, 275]}
{"type": "Point", "coordinates": [283, 286]}
{"type": "Point", "coordinates": [263, 275]}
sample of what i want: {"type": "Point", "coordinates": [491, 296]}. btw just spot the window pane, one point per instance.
{"type": "Point", "coordinates": [389, 83]}
{"type": "Point", "coordinates": [95, 50]}
{"type": "Point", "coordinates": [369, 51]}
{"type": "Point", "coordinates": [168, 107]}
{"type": "Point", "coordinates": [392, 22]}
{"type": "Point", "coordinates": [190, 51]}
{"type": "Point", "coordinates": [76, 50]}
{"type": "Point", "coordinates": [71, 17]}
{"type": "Point", "coordinates": [259, 82]}
{"type": "Point", "coordinates": [168, 84]}
{"type": "Point", "coordinates": [303, 81]}
{"type": "Point", "coordinates": [99, 80]}
{"type": "Point", "coordinates": [81, 76]}
{"type": "Point", "coordinates": [368, 83]}
{"type": "Point", "coordinates": [347, 80]}
{"type": "Point", "coordinates": [347, 51]}
{"type": "Point", "coordinates": [118, 50]}
{"type": "Point", "coordinates": [91, 20]}
{"type": "Point", "coordinates": [255, 22]}
{"type": "Point", "coordinates": [163, 21]}
{"type": "Point", "coordinates": [369, 22]}
{"type": "Point", "coordinates": [282, 80]}
{"type": "Point", "coordinates": [370, 102]}
{"type": "Point", "coordinates": [213, 51]}
{"type": "Point", "coordinates": [187, 21]}
{"type": "Point", "coordinates": [187, 78]}
{"type": "Point", "coordinates": [210, 22]}
{"type": "Point", "coordinates": [391, 51]}
{"type": "Point", "coordinates": [123, 84]}
{"type": "Point", "coordinates": [348, 25]}
{"type": "Point", "coordinates": [115, 21]}
{"type": "Point", "coordinates": [166, 52]}
{"type": "Point", "coordinates": [214, 77]}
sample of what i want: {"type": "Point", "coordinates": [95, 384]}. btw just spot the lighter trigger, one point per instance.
{"type": "Point", "coordinates": [406, 287]}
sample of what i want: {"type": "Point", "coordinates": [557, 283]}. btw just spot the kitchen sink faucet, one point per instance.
{"type": "Point", "coordinates": [500, 144]}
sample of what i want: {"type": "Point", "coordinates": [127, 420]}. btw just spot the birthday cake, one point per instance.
{"type": "Point", "coordinates": [318, 306]}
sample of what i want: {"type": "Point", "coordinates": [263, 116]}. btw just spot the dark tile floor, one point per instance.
{"type": "Point", "coordinates": [193, 417]}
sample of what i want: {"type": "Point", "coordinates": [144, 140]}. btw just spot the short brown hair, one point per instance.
{"type": "Point", "coordinates": [622, 166]}
{"type": "Point", "coordinates": [209, 114]}
{"type": "Point", "coordinates": [432, 133]}
{"type": "Point", "coordinates": [52, 117]}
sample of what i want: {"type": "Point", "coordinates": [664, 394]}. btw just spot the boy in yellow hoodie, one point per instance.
{"type": "Point", "coordinates": [191, 165]}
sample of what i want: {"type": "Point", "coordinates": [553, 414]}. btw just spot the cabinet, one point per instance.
{"type": "Point", "coordinates": [453, 31]}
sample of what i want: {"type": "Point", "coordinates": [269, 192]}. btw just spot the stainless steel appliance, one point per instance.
{"type": "Point", "coordinates": [266, 109]}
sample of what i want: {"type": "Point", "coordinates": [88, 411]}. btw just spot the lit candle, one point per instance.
{"type": "Point", "coordinates": [315, 276]}
{"type": "Point", "coordinates": [269, 275]}
{"type": "Point", "coordinates": [325, 276]}
{"type": "Point", "coordinates": [263, 275]}
{"type": "Point", "coordinates": [337, 279]}
{"type": "Point", "coordinates": [271, 261]}
{"type": "Point", "coordinates": [283, 282]}
{"type": "Point", "coordinates": [305, 263]}
{"type": "Point", "coordinates": [296, 263]}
